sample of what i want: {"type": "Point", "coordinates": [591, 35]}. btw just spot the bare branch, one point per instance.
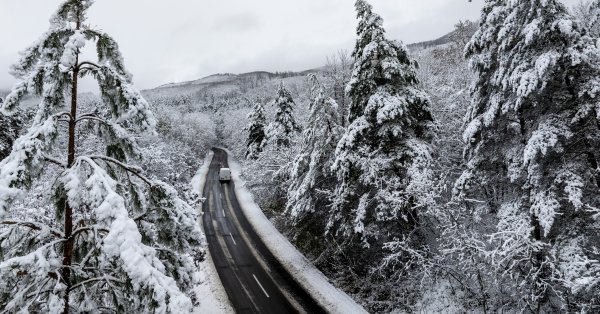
{"type": "Point", "coordinates": [92, 228]}
{"type": "Point", "coordinates": [93, 65]}
{"type": "Point", "coordinates": [55, 161]}
{"type": "Point", "coordinates": [92, 117]}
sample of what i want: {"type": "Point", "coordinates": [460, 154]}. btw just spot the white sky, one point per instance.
{"type": "Point", "coordinates": [181, 40]}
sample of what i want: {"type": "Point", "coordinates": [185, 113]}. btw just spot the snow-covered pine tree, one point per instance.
{"type": "Point", "coordinates": [311, 178]}
{"type": "Point", "coordinates": [533, 151]}
{"type": "Point", "coordinates": [593, 24]}
{"type": "Point", "coordinates": [284, 127]}
{"type": "Point", "coordinates": [256, 131]}
{"type": "Point", "coordinates": [8, 132]}
{"type": "Point", "coordinates": [383, 156]}
{"type": "Point", "coordinates": [119, 241]}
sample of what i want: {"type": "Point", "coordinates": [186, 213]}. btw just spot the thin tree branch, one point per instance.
{"type": "Point", "coordinates": [92, 117]}
{"type": "Point", "coordinates": [33, 226]}
{"type": "Point", "coordinates": [55, 161]}
{"type": "Point", "coordinates": [92, 228]}
{"type": "Point", "coordinates": [133, 170]}
{"type": "Point", "coordinates": [103, 278]}
{"type": "Point", "coordinates": [87, 63]}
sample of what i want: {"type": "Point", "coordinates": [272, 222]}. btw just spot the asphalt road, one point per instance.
{"type": "Point", "coordinates": [253, 278]}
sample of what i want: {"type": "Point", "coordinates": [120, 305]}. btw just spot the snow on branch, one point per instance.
{"type": "Point", "coordinates": [69, 58]}
{"type": "Point", "coordinates": [123, 243]}
{"type": "Point", "coordinates": [108, 53]}
{"type": "Point", "coordinates": [33, 274]}
{"type": "Point", "coordinates": [136, 171]}
{"type": "Point", "coordinates": [34, 226]}
{"type": "Point", "coordinates": [26, 160]}
{"type": "Point", "coordinates": [20, 90]}
{"type": "Point", "coordinates": [126, 103]}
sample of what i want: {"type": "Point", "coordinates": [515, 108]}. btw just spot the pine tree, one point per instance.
{"type": "Point", "coordinates": [593, 24]}
{"type": "Point", "coordinates": [311, 176]}
{"type": "Point", "coordinates": [383, 154]}
{"type": "Point", "coordinates": [119, 240]}
{"type": "Point", "coordinates": [8, 132]}
{"type": "Point", "coordinates": [281, 130]}
{"type": "Point", "coordinates": [256, 131]}
{"type": "Point", "coordinates": [533, 141]}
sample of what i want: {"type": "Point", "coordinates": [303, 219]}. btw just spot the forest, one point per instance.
{"type": "Point", "coordinates": [451, 176]}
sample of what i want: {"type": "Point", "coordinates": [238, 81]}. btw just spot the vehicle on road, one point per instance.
{"type": "Point", "coordinates": [225, 175]}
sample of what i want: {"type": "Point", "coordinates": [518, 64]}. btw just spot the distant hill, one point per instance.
{"type": "Point", "coordinates": [431, 43]}
{"type": "Point", "coordinates": [440, 41]}
{"type": "Point", "coordinates": [228, 84]}
{"type": "Point", "coordinates": [230, 77]}
{"type": "Point", "coordinates": [222, 84]}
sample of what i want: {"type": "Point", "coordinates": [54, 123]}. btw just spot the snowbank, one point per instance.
{"type": "Point", "coordinates": [211, 294]}
{"type": "Point", "coordinates": [305, 273]}
{"type": "Point", "coordinates": [199, 180]}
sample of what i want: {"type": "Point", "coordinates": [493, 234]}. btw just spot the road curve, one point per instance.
{"type": "Point", "coordinates": [254, 279]}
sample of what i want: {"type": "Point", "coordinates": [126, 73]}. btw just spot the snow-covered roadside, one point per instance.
{"type": "Point", "coordinates": [211, 294]}
{"type": "Point", "coordinates": [306, 274]}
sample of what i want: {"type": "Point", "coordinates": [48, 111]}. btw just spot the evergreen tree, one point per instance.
{"type": "Point", "coordinates": [256, 131]}
{"type": "Point", "coordinates": [593, 24]}
{"type": "Point", "coordinates": [533, 141]}
{"type": "Point", "coordinates": [119, 240]}
{"type": "Point", "coordinates": [8, 132]}
{"type": "Point", "coordinates": [311, 176]}
{"type": "Point", "coordinates": [281, 130]}
{"type": "Point", "coordinates": [383, 155]}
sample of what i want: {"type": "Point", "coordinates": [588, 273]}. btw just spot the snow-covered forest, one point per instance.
{"type": "Point", "coordinates": [458, 175]}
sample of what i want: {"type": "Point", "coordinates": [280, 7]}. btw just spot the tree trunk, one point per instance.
{"type": "Point", "coordinates": [68, 247]}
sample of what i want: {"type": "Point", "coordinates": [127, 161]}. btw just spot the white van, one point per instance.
{"type": "Point", "coordinates": [225, 174]}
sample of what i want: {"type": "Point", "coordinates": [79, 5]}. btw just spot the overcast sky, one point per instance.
{"type": "Point", "coordinates": [181, 40]}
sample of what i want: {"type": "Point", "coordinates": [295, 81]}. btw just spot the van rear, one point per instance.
{"type": "Point", "coordinates": [225, 175]}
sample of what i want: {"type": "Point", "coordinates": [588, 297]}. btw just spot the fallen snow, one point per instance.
{"type": "Point", "coordinates": [306, 274]}
{"type": "Point", "coordinates": [199, 180]}
{"type": "Point", "coordinates": [211, 293]}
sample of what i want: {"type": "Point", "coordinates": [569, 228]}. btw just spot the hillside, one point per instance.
{"type": "Point", "coordinates": [221, 85]}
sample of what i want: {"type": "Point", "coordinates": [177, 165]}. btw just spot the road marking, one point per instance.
{"type": "Point", "coordinates": [232, 239]}
{"type": "Point", "coordinates": [258, 282]}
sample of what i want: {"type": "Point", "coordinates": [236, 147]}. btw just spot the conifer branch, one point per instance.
{"type": "Point", "coordinates": [92, 228]}
{"type": "Point", "coordinates": [92, 117]}
{"type": "Point", "coordinates": [131, 169]}
{"type": "Point", "coordinates": [103, 278]}
{"type": "Point", "coordinates": [33, 226]}
{"type": "Point", "coordinates": [92, 64]}
{"type": "Point", "coordinates": [55, 161]}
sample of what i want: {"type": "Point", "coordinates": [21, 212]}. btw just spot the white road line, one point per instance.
{"type": "Point", "coordinates": [258, 282]}
{"type": "Point", "coordinates": [232, 239]}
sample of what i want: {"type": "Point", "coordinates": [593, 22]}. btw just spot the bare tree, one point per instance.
{"type": "Point", "coordinates": [339, 71]}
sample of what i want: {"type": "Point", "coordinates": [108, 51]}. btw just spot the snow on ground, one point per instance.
{"type": "Point", "coordinates": [305, 273]}
{"type": "Point", "coordinates": [211, 294]}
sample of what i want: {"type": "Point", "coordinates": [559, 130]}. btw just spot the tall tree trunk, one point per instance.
{"type": "Point", "coordinates": [68, 247]}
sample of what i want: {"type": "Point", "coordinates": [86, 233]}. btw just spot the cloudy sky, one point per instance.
{"type": "Point", "coordinates": [180, 40]}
